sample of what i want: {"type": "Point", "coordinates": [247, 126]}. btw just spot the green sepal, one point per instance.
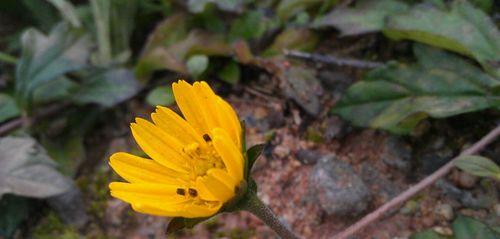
{"type": "Point", "coordinates": [252, 154]}
{"type": "Point", "coordinates": [241, 193]}
{"type": "Point", "coordinates": [179, 223]}
{"type": "Point", "coordinates": [240, 202]}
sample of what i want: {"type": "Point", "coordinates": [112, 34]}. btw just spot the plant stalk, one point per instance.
{"type": "Point", "coordinates": [255, 206]}
{"type": "Point", "coordinates": [4, 57]}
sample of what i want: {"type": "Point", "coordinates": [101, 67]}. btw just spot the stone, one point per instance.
{"type": "Point", "coordinates": [396, 154]}
{"type": "Point", "coordinates": [445, 231]}
{"type": "Point", "coordinates": [497, 209]}
{"type": "Point", "coordinates": [434, 155]}
{"type": "Point", "coordinates": [335, 128]}
{"type": "Point", "coordinates": [373, 178]}
{"type": "Point", "coordinates": [338, 189]}
{"type": "Point", "coordinates": [302, 86]}
{"type": "Point", "coordinates": [307, 156]}
{"type": "Point", "coordinates": [335, 81]}
{"type": "Point", "coordinates": [463, 179]}
{"type": "Point", "coordinates": [445, 211]}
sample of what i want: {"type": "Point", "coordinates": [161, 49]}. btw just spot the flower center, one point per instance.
{"type": "Point", "coordinates": [202, 158]}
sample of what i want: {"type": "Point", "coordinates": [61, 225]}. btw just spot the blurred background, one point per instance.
{"type": "Point", "coordinates": [356, 100]}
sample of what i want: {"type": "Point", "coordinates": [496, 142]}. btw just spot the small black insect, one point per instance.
{"type": "Point", "coordinates": [193, 192]}
{"type": "Point", "coordinates": [181, 191]}
{"type": "Point", "coordinates": [207, 138]}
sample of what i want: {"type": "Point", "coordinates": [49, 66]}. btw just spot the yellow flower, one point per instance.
{"type": "Point", "coordinates": [197, 162]}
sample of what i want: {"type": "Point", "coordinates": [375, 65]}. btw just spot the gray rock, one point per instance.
{"type": "Point", "coordinates": [434, 155]}
{"type": "Point", "coordinates": [302, 86]}
{"type": "Point", "coordinates": [335, 128]}
{"type": "Point", "coordinates": [335, 81]}
{"type": "Point", "coordinates": [476, 200]}
{"type": "Point", "coordinates": [446, 211]}
{"type": "Point", "coordinates": [338, 189]}
{"type": "Point", "coordinates": [386, 189]}
{"type": "Point", "coordinates": [496, 208]}
{"type": "Point", "coordinates": [396, 154]}
{"type": "Point", "coordinates": [307, 156]}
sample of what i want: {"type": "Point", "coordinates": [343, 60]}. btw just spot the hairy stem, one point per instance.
{"type": "Point", "coordinates": [255, 206]}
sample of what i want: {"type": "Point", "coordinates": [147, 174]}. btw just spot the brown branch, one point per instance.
{"type": "Point", "coordinates": [332, 59]}
{"type": "Point", "coordinates": [412, 191]}
{"type": "Point", "coordinates": [19, 122]}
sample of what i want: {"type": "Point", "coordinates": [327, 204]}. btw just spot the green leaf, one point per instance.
{"type": "Point", "coordinates": [198, 6]}
{"type": "Point", "coordinates": [479, 166]}
{"type": "Point", "coordinates": [122, 22]}
{"type": "Point", "coordinates": [46, 58]}
{"type": "Point", "coordinates": [27, 170]}
{"type": "Point", "coordinates": [397, 97]}
{"type": "Point", "coordinates": [161, 95]}
{"type": "Point", "coordinates": [54, 90]}
{"type": "Point", "coordinates": [292, 39]}
{"type": "Point", "coordinates": [107, 88]}
{"type": "Point", "coordinates": [463, 29]}
{"type": "Point", "coordinates": [173, 56]}
{"type": "Point", "coordinates": [365, 17]}
{"type": "Point", "coordinates": [14, 211]}
{"type": "Point", "coordinates": [100, 12]}
{"type": "Point", "coordinates": [427, 234]}
{"type": "Point", "coordinates": [230, 73]}
{"type": "Point", "coordinates": [469, 228]}
{"type": "Point", "coordinates": [289, 8]}
{"type": "Point", "coordinates": [67, 11]}
{"type": "Point", "coordinates": [171, 30]}
{"type": "Point", "coordinates": [8, 108]}
{"type": "Point", "coordinates": [485, 5]}
{"type": "Point", "coordinates": [42, 13]}
{"type": "Point", "coordinates": [67, 150]}
{"type": "Point", "coordinates": [196, 65]}
{"type": "Point", "coordinates": [249, 26]}
{"type": "Point", "coordinates": [179, 223]}
{"type": "Point", "coordinates": [114, 22]}
{"type": "Point", "coordinates": [252, 154]}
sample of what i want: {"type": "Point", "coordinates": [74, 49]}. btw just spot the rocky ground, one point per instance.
{"type": "Point", "coordinates": [320, 175]}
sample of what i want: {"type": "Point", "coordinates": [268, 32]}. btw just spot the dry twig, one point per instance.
{"type": "Point", "coordinates": [18, 122]}
{"type": "Point", "coordinates": [333, 59]}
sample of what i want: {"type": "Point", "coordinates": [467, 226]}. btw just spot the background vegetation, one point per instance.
{"type": "Point", "coordinates": [73, 74]}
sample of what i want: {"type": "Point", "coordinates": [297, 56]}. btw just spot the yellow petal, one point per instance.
{"type": "Point", "coordinates": [203, 191]}
{"type": "Point", "coordinates": [219, 183]}
{"type": "Point", "coordinates": [192, 107]}
{"type": "Point", "coordinates": [160, 146]}
{"type": "Point", "coordinates": [207, 99]}
{"type": "Point", "coordinates": [140, 170]}
{"type": "Point", "coordinates": [204, 110]}
{"type": "Point", "coordinates": [193, 210]}
{"type": "Point", "coordinates": [146, 188]}
{"type": "Point", "coordinates": [176, 126]}
{"type": "Point", "coordinates": [187, 210]}
{"type": "Point", "coordinates": [230, 154]}
{"type": "Point", "coordinates": [148, 209]}
{"type": "Point", "coordinates": [231, 121]}
{"type": "Point", "coordinates": [153, 194]}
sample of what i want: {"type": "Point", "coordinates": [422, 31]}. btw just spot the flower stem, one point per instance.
{"type": "Point", "coordinates": [255, 206]}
